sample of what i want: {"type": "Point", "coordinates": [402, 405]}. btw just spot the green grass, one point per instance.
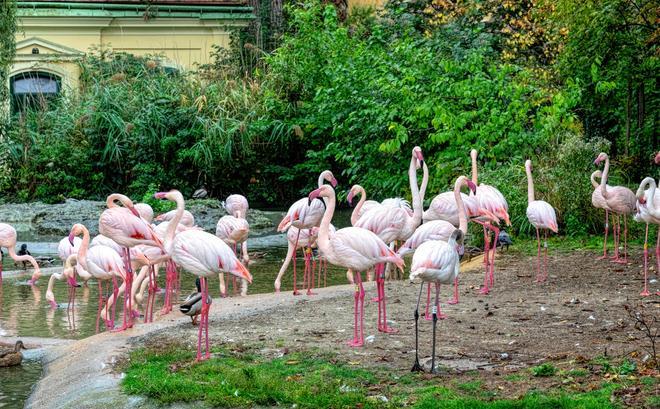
{"type": "Point", "coordinates": [236, 378]}
{"type": "Point", "coordinates": [546, 369]}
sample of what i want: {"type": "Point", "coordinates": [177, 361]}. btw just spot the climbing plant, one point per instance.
{"type": "Point", "coordinates": [7, 52]}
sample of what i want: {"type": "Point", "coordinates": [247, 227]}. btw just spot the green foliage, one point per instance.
{"type": "Point", "coordinates": [545, 369]}
{"type": "Point", "coordinates": [7, 52]}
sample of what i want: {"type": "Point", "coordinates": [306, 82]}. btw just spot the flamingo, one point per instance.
{"type": "Point", "coordinates": [65, 249]}
{"type": "Point", "coordinates": [599, 202]}
{"type": "Point", "coordinates": [441, 230]}
{"type": "Point", "coordinates": [354, 248]}
{"type": "Point", "coordinates": [125, 226]}
{"type": "Point", "coordinates": [234, 231]}
{"type": "Point", "coordinates": [8, 240]}
{"type": "Point", "coordinates": [105, 264]}
{"type": "Point", "coordinates": [621, 201]}
{"type": "Point", "coordinates": [437, 262]}
{"type": "Point", "coordinates": [648, 211]}
{"type": "Point", "coordinates": [305, 215]}
{"type": "Point", "coordinates": [236, 205]}
{"type": "Point", "coordinates": [145, 211]}
{"type": "Point", "coordinates": [68, 273]}
{"type": "Point", "coordinates": [542, 216]}
{"type": "Point", "coordinates": [201, 254]}
{"type": "Point", "coordinates": [393, 222]}
{"type": "Point", "coordinates": [490, 201]}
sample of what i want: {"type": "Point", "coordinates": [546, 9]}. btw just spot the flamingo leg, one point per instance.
{"type": "Point", "coordinates": [545, 256]}
{"type": "Point", "coordinates": [311, 266]}
{"type": "Point", "coordinates": [616, 232]}
{"type": "Point", "coordinates": [435, 323]}
{"type": "Point", "coordinates": [295, 250]}
{"type": "Point", "coordinates": [382, 325]}
{"type": "Point", "coordinates": [100, 307]}
{"type": "Point", "coordinates": [485, 289]}
{"type": "Point", "coordinates": [538, 256]}
{"type": "Point", "coordinates": [358, 339]}
{"type": "Point", "coordinates": [455, 299]}
{"type": "Point", "coordinates": [201, 324]}
{"type": "Point", "coordinates": [115, 294]}
{"type": "Point", "coordinates": [604, 256]}
{"type": "Point", "coordinates": [325, 269]}
{"type": "Point", "coordinates": [427, 311]}
{"type": "Point", "coordinates": [416, 366]}
{"type": "Point", "coordinates": [206, 318]}
{"type": "Point", "coordinates": [645, 292]}
{"type": "Point", "coordinates": [492, 261]}
{"type": "Point", "coordinates": [440, 315]}
{"type": "Point", "coordinates": [625, 240]}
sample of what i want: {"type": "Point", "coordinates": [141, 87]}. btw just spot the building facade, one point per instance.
{"type": "Point", "coordinates": [53, 35]}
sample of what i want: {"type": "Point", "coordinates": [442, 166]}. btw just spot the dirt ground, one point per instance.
{"type": "Point", "coordinates": [578, 313]}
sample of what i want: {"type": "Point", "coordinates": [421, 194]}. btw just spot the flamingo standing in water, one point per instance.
{"type": "Point", "coordinates": [202, 254]}
{"type": "Point", "coordinates": [542, 216]}
{"type": "Point", "coordinates": [125, 226]}
{"type": "Point", "coordinates": [442, 230]}
{"type": "Point", "coordinates": [8, 240]}
{"type": "Point", "coordinates": [492, 202]}
{"type": "Point", "coordinates": [65, 249]}
{"type": "Point", "coordinates": [304, 214]}
{"type": "Point", "coordinates": [436, 262]}
{"type": "Point", "coordinates": [648, 211]}
{"type": "Point", "coordinates": [234, 231]}
{"type": "Point", "coordinates": [391, 223]}
{"type": "Point", "coordinates": [354, 248]}
{"type": "Point", "coordinates": [622, 202]}
{"type": "Point", "coordinates": [68, 274]}
{"type": "Point", "coordinates": [598, 201]}
{"type": "Point", "coordinates": [105, 264]}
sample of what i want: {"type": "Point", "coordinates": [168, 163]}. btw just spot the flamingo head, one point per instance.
{"type": "Point", "coordinates": [601, 157]}
{"type": "Point", "coordinates": [323, 191]}
{"type": "Point", "coordinates": [50, 297]}
{"type": "Point", "coordinates": [160, 217]}
{"type": "Point", "coordinates": [657, 158]}
{"type": "Point", "coordinates": [641, 200]}
{"type": "Point", "coordinates": [329, 177]}
{"type": "Point", "coordinates": [75, 230]}
{"type": "Point", "coordinates": [417, 154]}
{"type": "Point", "coordinates": [528, 165]}
{"type": "Point", "coordinates": [160, 195]}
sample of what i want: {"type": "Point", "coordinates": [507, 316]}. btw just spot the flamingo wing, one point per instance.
{"type": "Point", "coordinates": [541, 215]}
{"type": "Point", "coordinates": [435, 261]}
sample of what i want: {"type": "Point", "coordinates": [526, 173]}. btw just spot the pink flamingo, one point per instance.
{"type": "Point", "coordinates": [441, 230]}
{"type": "Point", "coordinates": [436, 262]}
{"type": "Point", "coordinates": [234, 231]}
{"type": "Point", "coordinates": [8, 240]}
{"type": "Point", "coordinates": [68, 273]}
{"type": "Point", "coordinates": [542, 216]}
{"type": "Point", "coordinates": [491, 202]}
{"type": "Point", "coordinates": [622, 202]}
{"type": "Point", "coordinates": [354, 248]}
{"type": "Point", "coordinates": [125, 226]}
{"type": "Point", "coordinates": [236, 205]}
{"type": "Point", "coordinates": [303, 239]}
{"type": "Point", "coordinates": [306, 215]}
{"type": "Point", "coordinates": [65, 249]}
{"type": "Point", "coordinates": [105, 264]}
{"type": "Point", "coordinates": [648, 211]}
{"type": "Point", "coordinates": [145, 211]}
{"type": "Point", "coordinates": [391, 223]}
{"type": "Point", "coordinates": [202, 254]}
{"type": "Point", "coordinates": [599, 202]}
{"type": "Point", "coordinates": [363, 204]}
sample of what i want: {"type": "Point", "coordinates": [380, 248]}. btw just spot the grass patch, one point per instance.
{"type": "Point", "coordinates": [242, 378]}
{"type": "Point", "coordinates": [546, 369]}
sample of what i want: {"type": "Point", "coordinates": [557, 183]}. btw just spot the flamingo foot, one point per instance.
{"type": "Point", "coordinates": [428, 317]}
{"type": "Point", "coordinates": [539, 280]}
{"type": "Point", "coordinates": [645, 293]}
{"type": "Point", "coordinates": [109, 325]}
{"type": "Point", "coordinates": [442, 316]}
{"type": "Point", "coordinates": [223, 295]}
{"type": "Point", "coordinates": [484, 291]}
{"type": "Point", "coordinates": [309, 292]}
{"type": "Point", "coordinates": [31, 282]}
{"type": "Point", "coordinates": [124, 327]}
{"type": "Point", "coordinates": [620, 261]}
{"type": "Point", "coordinates": [453, 301]}
{"type": "Point", "coordinates": [603, 257]}
{"type": "Point", "coordinates": [355, 343]}
{"type": "Point", "coordinates": [277, 291]}
{"type": "Point", "coordinates": [375, 299]}
{"type": "Point", "coordinates": [296, 292]}
{"type": "Point", "coordinates": [388, 330]}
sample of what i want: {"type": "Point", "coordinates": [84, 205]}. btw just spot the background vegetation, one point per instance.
{"type": "Point", "coordinates": [553, 81]}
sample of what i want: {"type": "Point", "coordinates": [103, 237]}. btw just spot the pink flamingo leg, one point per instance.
{"type": "Point", "coordinates": [623, 260]}
{"type": "Point", "coordinates": [485, 290]}
{"type": "Point", "coordinates": [206, 319]}
{"type": "Point", "coordinates": [295, 250]}
{"type": "Point", "coordinates": [441, 316]}
{"type": "Point", "coordinates": [604, 256]}
{"type": "Point", "coordinates": [356, 297]}
{"type": "Point", "coordinates": [201, 323]}
{"type": "Point", "coordinates": [382, 325]}
{"type": "Point", "coordinates": [455, 299]}
{"type": "Point", "coordinates": [115, 294]}
{"type": "Point", "coordinates": [545, 256]}
{"type": "Point", "coordinates": [427, 313]}
{"type": "Point", "coordinates": [616, 232]}
{"type": "Point", "coordinates": [98, 311]}
{"type": "Point", "coordinates": [310, 267]}
{"type": "Point", "coordinates": [657, 254]}
{"type": "Point", "coordinates": [325, 267]}
{"type": "Point", "coordinates": [492, 261]}
{"type": "Point", "coordinates": [538, 257]}
{"type": "Point", "coordinates": [645, 292]}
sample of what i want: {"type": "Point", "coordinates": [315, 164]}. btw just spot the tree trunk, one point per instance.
{"type": "Point", "coordinates": [276, 15]}
{"type": "Point", "coordinates": [628, 99]}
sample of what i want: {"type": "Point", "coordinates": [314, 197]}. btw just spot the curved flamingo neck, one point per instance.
{"type": "Point", "coordinates": [416, 218]}
{"type": "Point", "coordinates": [124, 200]}
{"type": "Point", "coordinates": [356, 212]}
{"type": "Point", "coordinates": [84, 246]}
{"type": "Point", "coordinates": [322, 177]}
{"type": "Point", "coordinates": [12, 253]}
{"type": "Point", "coordinates": [650, 202]}
{"type": "Point", "coordinates": [425, 182]}
{"type": "Point", "coordinates": [323, 241]}
{"type": "Point", "coordinates": [462, 216]}
{"type": "Point", "coordinates": [593, 180]}
{"type": "Point", "coordinates": [171, 228]}
{"type": "Point", "coordinates": [530, 184]}
{"type": "Point", "coordinates": [603, 178]}
{"type": "Point", "coordinates": [473, 156]}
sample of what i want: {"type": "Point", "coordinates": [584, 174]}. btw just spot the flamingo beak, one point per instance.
{"type": "Point", "coordinates": [472, 186]}
{"type": "Point", "coordinates": [71, 237]}
{"type": "Point", "coordinates": [349, 197]}
{"type": "Point", "coordinates": [160, 195]}
{"type": "Point", "coordinates": [333, 182]}
{"type": "Point", "coordinates": [642, 200]}
{"type": "Point", "coordinates": [314, 194]}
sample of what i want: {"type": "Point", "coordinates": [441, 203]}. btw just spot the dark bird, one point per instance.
{"type": "Point", "coordinates": [192, 305]}
{"type": "Point", "coordinates": [23, 252]}
{"type": "Point", "coordinates": [12, 357]}
{"type": "Point", "coordinates": [200, 193]}
{"type": "Point", "coordinates": [504, 240]}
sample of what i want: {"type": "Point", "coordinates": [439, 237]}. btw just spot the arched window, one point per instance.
{"type": "Point", "coordinates": [33, 89]}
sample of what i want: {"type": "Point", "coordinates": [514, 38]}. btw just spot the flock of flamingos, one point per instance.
{"type": "Point", "coordinates": [128, 242]}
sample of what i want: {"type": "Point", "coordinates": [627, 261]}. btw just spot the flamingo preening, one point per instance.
{"type": "Point", "coordinates": [304, 214]}
{"type": "Point", "coordinates": [622, 202]}
{"type": "Point", "coordinates": [542, 216]}
{"type": "Point", "coordinates": [234, 231]}
{"type": "Point", "coordinates": [490, 202]}
{"type": "Point", "coordinates": [236, 205]}
{"type": "Point", "coordinates": [354, 248]}
{"type": "Point", "coordinates": [201, 254]}
{"type": "Point", "coordinates": [8, 240]}
{"type": "Point", "coordinates": [648, 211]}
{"type": "Point", "coordinates": [436, 262]}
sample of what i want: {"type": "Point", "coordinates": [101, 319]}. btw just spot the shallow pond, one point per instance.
{"type": "Point", "coordinates": [16, 383]}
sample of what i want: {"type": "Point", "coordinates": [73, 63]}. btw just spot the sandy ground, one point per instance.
{"type": "Point", "coordinates": [577, 313]}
